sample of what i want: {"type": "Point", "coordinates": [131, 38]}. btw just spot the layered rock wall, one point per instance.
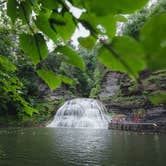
{"type": "Point", "coordinates": [122, 95]}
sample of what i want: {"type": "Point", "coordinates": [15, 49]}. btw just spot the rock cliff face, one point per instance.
{"type": "Point", "coordinates": [122, 95]}
{"type": "Point", "coordinates": [57, 94]}
{"type": "Point", "coordinates": [110, 85]}
{"type": "Point", "coordinates": [156, 114]}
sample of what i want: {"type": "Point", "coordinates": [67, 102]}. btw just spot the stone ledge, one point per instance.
{"type": "Point", "coordinates": [139, 127]}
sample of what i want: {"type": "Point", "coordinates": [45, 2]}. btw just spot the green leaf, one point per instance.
{"type": "Point", "coordinates": [128, 58]}
{"type": "Point", "coordinates": [25, 11]}
{"type": "Point", "coordinates": [66, 79]}
{"type": "Point", "coordinates": [110, 61]}
{"type": "Point", "coordinates": [88, 42]}
{"type": "Point", "coordinates": [43, 23]}
{"type": "Point", "coordinates": [158, 97]}
{"type": "Point", "coordinates": [106, 7]}
{"type": "Point", "coordinates": [127, 46]}
{"type": "Point", "coordinates": [153, 38]}
{"type": "Point", "coordinates": [6, 63]}
{"type": "Point", "coordinates": [121, 18]}
{"type": "Point", "coordinates": [35, 46]}
{"type": "Point", "coordinates": [63, 25]}
{"type": "Point", "coordinates": [71, 56]}
{"type": "Point", "coordinates": [77, 3]}
{"type": "Point", "coordinates": [50, 4]}
{"type": "Point", "coordinates": [107, 22]}
{"type": "Point", "coordinates": [29, 110]}
{"type": "Point", "coordinates": [12, 10]}
{"type": "Point", "coordinates": [49, 78]}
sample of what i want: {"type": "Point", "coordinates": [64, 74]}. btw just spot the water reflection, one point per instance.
{"type": "Point", "coordinates": [80, 147]}
{"type": "Point", "coordinates": [2, 153]}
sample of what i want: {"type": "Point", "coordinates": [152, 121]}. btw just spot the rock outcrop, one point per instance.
{"type": "Point", "coordinates": [156, 114]}
{"type": "Point", "coordinates": [110, 85]}
{"type": "Point", "coordinates": [122, 95]}
{"type": "Point", "coordinates": [57, 94]}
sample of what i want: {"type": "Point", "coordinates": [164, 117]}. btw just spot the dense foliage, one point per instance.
{"type": "Point", "coordinates": [82, 82]}
{"type": "Point", "coordinates": [20, 83]}
{"type": "Point", "coordinates": [56, 21]}
{"type": "Point", "coordinates": [33, 23]}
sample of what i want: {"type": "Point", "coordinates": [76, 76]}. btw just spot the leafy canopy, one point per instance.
{"type": "Point", "coordinates": [53, 20]}
{"type": "Point", "coordinates": [11, 89]}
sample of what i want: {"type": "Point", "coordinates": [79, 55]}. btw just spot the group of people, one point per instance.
{"type": "Point", "coordinates": [135, 117]}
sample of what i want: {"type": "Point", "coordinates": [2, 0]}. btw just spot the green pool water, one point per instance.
{"type": "Point", "coordinates": [80, 147]}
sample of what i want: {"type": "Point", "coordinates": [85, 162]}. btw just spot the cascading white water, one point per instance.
{"type": "Point", "coordinates": [79, 113]}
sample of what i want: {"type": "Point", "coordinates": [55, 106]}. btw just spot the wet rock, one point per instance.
{"type": "Point", "coordinates": [132, 102]}
{"type": "Point", "coordinates": [156, 81]}
{"type": "Point", "coordinates": [110, 85]}
{"type": "Point", "coordinates": [157, 114]}
{"type": "Point", "coordinates": [120, 94]}
{"type": "Point", "coordinates": [59, 93]}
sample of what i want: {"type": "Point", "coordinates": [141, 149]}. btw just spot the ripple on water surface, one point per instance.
{"type": "Point", "coordinates": [80, 147]}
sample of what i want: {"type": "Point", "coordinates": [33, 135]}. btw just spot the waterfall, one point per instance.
{"type": "Point", "coordinates": [79, 113]}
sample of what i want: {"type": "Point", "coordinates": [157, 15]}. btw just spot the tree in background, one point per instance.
{"type": "Point", "coordinates": [16, 72]}
{"type": "Point", "coordinates": [83, 81]}
{"type": "Point", "coordinates": [135, 22]}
